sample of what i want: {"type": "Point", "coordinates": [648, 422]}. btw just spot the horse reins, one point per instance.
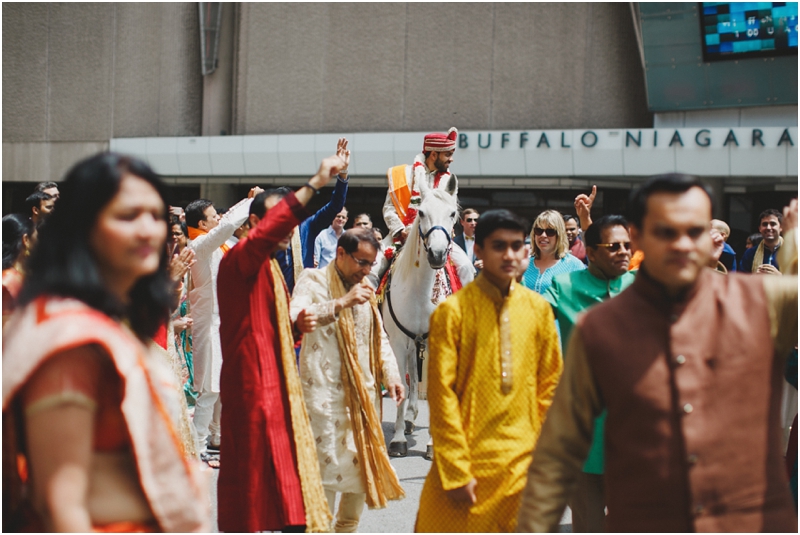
{"type": "Point", "coordinates": [419, 339]}
{"type": "Point", "coordinates": [430, 231]}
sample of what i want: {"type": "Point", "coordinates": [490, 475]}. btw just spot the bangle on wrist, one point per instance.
{"type": "Point", "coordinates": [308, 185]}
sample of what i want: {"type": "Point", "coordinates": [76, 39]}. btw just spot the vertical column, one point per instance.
{"type": "Point", "coordinates": [217, 86]}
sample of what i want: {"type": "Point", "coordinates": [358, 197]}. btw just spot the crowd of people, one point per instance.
{"type": "Point", "coordinates": [615, 365]}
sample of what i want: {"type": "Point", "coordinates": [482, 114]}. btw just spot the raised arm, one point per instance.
{"type": "Point", "coordinates": [279, 221]}
{"type": "Point", "coordinates": [325, 215]}
{"type": "Point", "coordinates": [583, 206]}
{"type": "Point", "coordinates": [321, 220]}
{"type": "Point", "coordinates": [232, 219]}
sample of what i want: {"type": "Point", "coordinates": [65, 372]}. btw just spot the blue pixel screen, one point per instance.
{"type": "Point", "coordinates": [733, 30]}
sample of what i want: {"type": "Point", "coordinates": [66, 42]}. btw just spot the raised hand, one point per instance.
{"type": "Point", "coordinates": [253, 192]}
{"type": "Point", "coordinates": [344, 154]}
{"type": "Point", "coordinates": [328, 169]}
{"type": "Point", "coordinates": [583, 207]}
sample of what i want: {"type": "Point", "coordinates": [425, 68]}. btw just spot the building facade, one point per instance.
{"type": "Point", "coordinates": [550, 98]}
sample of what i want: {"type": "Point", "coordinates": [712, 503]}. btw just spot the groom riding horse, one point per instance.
{"type": "Point", "coordinates": [429, 190]}
{"type": "Point", "coordinates": [402, 200]}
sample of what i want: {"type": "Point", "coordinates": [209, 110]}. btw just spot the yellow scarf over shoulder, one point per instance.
{"type": "Point", "coordinates": [380, 479]}
{"type": "Point", "coordinates": [318, 517]}
{"type": "Point", "coordinates": [758, 258]}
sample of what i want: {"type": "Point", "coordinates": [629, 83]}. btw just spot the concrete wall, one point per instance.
{"type": "Point", "coordinates": [76, 75]}
{"type": "Point", "coordinates": [304, 68]}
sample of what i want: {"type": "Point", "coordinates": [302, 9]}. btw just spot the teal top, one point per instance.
{"type": "Point", "coordinates": [573, 293]}
{"type": "Point", "coordinates": [540, 282]}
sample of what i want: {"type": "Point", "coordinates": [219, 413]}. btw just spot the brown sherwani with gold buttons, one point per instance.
{"type": "Point", "coordinates": [692, 387]}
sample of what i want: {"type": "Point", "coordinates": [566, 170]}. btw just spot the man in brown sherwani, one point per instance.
{"type": "Point", "coordinates": [689, 364]}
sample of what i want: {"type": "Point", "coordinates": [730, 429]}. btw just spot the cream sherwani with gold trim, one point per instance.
{"type": "Point", "coordinates": [321, 376]}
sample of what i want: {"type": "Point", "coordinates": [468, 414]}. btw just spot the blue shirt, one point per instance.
{"type": "Point", "coordinates": [325, 247]}
{"type": "Point", "coordinates": [540, 282]}
{"type": "Point", "coordinates": [728, 257]}
{"type": "Point", "coordinates": [770, 257]}
{"type": "Point", "coordinates": [309, 230]}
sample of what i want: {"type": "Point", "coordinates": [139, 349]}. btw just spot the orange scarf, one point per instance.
{"type": "Point", "coordinates": [194, 233]}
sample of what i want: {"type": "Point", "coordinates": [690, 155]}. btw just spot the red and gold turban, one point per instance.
{"type": "Point", "coordinates": [440, 142]}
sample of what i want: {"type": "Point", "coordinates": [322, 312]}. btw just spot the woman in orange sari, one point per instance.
{"type": "Point", "coordinates": [90, 413]}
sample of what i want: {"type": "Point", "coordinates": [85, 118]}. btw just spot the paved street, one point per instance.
{"type": "Point", "coordinates": [399, 516]}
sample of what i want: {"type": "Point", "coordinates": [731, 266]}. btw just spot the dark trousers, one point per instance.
{"type": "Point", "coordinates": [588, 504]}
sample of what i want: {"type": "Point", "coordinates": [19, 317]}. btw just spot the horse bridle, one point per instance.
{"type": "Point", "coordinates": [424, 238]}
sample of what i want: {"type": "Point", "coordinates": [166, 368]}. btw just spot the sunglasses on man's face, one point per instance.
{"type": "Point", "coordinates": [614, 247]}
{"type": "Point", "coordinates": [549, 231]}
{"type": "Point", "coordinates": [472, 220]}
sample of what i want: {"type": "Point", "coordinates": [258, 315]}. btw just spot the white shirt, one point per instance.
{"type": "Point", "coordinates": [206, 348]}
{"type": "Point", "coordinates": [470, 244]}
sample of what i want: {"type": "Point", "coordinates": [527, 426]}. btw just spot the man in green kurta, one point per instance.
{"type": "Point", "coordinates": [608, 250]}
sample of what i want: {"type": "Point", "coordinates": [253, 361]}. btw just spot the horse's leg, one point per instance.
{"type": "Point", "coordinates": [429, 447]}
{"type": "Point", "coordinates": [413, 392]}
{"type": "Point", "coordinates": [410, 412]}
{"type": "Point", "coordinates": [398, 447]}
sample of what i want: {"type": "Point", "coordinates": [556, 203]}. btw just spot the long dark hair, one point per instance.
{"type": "Point", "coordinates": [15, 226]}
{"type": "Point", "coordinates": [63, 264]}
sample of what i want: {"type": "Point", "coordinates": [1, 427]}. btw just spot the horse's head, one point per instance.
{"type": "Point", "coordinates": [437, 214]}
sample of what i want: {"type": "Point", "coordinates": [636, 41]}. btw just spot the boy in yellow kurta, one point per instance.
{"type": "Point", "coordinates": [494, 365]}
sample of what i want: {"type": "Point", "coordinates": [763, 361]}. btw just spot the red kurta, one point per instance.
{"type": "Point", "coordinates": [259, 488]}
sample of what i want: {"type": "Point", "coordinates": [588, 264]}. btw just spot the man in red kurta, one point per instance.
{"type": "Point", "coordinates": [269, 479]}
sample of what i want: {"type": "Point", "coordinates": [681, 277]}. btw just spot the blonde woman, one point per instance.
{"type": "Point", "coordinates": [551, 254]}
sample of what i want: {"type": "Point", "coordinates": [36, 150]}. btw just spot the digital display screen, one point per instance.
{"type": "Point", "coordinates": [733, 30]}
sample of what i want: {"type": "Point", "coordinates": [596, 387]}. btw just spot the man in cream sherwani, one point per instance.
{"type": "Point", "coordinates": [345, 357]}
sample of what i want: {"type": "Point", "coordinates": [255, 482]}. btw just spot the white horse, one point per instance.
{"type": "Point", "coordinates": [408, 304]}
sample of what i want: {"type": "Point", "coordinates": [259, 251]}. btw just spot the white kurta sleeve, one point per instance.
{"type": "Point", "coordinates": [390, 216]}
{"type": "Point", "coordinates": [206, 244]}
{"type": "Point", "coordinates": [311, 293]}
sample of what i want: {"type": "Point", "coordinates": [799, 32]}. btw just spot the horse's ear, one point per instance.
{"type": "Point", "coordinates": [451, 186]}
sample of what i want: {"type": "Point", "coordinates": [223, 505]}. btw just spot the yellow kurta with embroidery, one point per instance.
{"type": "Point", "coordinates": [494, 366]}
